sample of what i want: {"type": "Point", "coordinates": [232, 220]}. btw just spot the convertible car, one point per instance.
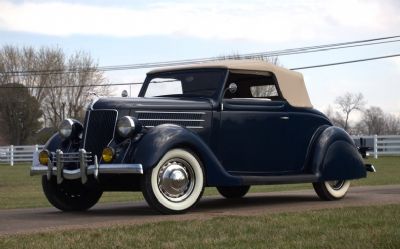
{"type": "Point", "coordinates": [228, 124]}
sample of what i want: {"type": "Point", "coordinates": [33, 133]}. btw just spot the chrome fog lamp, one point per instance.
{"type": "Point", "coordinates": [65, 128]}
{"type": "Point", "coordinates": [70, 128]}
{"type": "Point", "coordinates": [127, 126]}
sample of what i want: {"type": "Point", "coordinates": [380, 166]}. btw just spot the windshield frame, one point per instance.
{"type": "Point", "coordinates": [215, 96]}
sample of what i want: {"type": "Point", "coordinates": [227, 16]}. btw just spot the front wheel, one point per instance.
{"type": "Point", "coordinates": [331, 190]}
{"type": "Point", "coordinates": [175, 184]}
{"type": "Point", "coordinates": [70, 195]}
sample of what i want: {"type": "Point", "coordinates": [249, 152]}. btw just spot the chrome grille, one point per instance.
{"type": "Point", "coordinates": [192, 120]}
{"type": "Point", "coordinates": [71, 157]}
{"type": "Point", "coordinates": [99, 130]}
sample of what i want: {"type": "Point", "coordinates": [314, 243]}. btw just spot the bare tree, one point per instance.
{"type": "Point", "coordinates": [33, 68]}
{"type": "Point", "coordinates": [70, 100]}
{"type": "Point", "coordinates": [392, 125]}
{"type": "Point", "coordinates": [335, 117]}
{"type": "Point", "coordinates": [348, 103]}
{"type": "Point", "coordinates": [374, 121]}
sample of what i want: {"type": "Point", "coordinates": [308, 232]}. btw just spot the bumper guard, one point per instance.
{"type": "Point", "coordinates": [56, 166]}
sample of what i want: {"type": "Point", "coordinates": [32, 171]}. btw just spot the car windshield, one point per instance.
{"type": "Point", "coordinates": [192, 83]}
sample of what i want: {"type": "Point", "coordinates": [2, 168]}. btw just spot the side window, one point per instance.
{"type": "Point", "coordinates": [264, 91]}
{"type": "Point", "coordinates": [253, 86]}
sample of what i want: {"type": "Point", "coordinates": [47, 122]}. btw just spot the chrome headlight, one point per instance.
{"type": "Point", "coordinates": [70, 128]}
{"type": "Point", "coordinates": [65, 128]}
{"type": "Point", "coordinates": [127, 126]}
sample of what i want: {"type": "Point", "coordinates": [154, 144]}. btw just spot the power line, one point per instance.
{"type": "Point", "coordinates": [283, 52]}
{"type": "Point", "coordinates": [140, 83]}
{"type": "Point", "coordinates": [347, 62]}
{"type": "Point", "coordinates": [334, 48]}
{"type": "Point", "coordinates": [70, 86]}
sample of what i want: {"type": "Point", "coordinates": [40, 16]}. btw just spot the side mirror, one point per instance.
{"type": "Point", "coordinates": [124, 94]}
{"type": "Point", "coordinates": [232, 88]}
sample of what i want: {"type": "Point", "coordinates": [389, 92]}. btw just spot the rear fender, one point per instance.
{"type": "Point", "coordinates": [160, 139]}
{"type": "Point", "coordinates": [336, 157]}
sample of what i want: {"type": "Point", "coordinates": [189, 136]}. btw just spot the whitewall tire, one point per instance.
{"type": "Point", "coordinates": [175, 184]}
{"type": "Point", "coordinates": [331, 190]}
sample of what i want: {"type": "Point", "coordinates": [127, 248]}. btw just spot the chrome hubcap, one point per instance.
{"type": "Point", "coordinates": [336, 185]}
{"type": "Point", "coordinates": [176, 180]}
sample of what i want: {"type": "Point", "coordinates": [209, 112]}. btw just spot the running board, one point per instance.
{"type": "Point", "coordinates": [265, 180]}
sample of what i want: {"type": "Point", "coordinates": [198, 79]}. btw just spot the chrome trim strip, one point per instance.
{"type": "Point", "coordinates": [49, 169]}
{"type": "Point", "coordinates": [91, 169]}
{"type": "Point", "coordinates": [83, 165]}
{"type": "Point", "coordinates": [115, 126]}
{"type": "Point", "coordinates": [86, 128]}
{"type": "Point", "coordinates": [170, 112]}
{"type": "Point", "coordinates": [160, 119]}
{"type": "Point", "coordinates": [93, 102]}
{"type": "Point", "coordinates": [60, 166]}
{"type": "Point", "coordinates": [188, 127]}
{"type": "Point", "coordinates": [96, 168]}
{"type": "Point", "coordinates": [370, 168]}
{"type": "Point", "coordinates": [120, 168]}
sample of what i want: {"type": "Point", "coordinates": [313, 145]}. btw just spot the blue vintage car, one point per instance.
{"type": "Point", "coordinates": [228, 124]}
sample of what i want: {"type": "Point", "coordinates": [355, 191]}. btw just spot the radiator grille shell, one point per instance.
{"type": "Point", "coordinates": [99, 130]}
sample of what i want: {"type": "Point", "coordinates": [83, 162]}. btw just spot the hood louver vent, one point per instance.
{"type": "Point", "coordinates": [191, 120]}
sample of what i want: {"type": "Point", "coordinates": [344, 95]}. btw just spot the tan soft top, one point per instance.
{"type": "Point", "coordinates": [291, 83]}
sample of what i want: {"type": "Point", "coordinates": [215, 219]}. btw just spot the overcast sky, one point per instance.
{"type": "Point", "coordinates": [128, 32]}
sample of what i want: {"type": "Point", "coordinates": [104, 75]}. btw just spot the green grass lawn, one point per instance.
{"type": "Point", "coordinates": [344, 228]}
{"type": "Point", "coordinates": [19, 190]}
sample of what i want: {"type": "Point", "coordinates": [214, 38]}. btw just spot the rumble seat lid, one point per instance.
{"type": "Point", "coordinates": [291, 83]}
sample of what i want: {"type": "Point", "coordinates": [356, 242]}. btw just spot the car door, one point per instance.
{"type": "Point", "coordinates": [252, 131]}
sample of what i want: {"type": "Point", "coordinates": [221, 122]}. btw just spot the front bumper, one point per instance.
{"type": "Point", "coordinates": [55, 166]}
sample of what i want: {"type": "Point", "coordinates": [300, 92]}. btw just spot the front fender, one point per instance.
{"type": "Point", "coordinates": [160, 139]}
{"type": "Point", "coordinates": [336, 157]}
{"type": "Point", "coordinates": [56, 142]}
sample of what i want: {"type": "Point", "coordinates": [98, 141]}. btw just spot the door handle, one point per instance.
{"type": "Point", "coordinates": [285, 117]}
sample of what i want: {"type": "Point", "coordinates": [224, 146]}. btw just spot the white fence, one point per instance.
{"type": "Point", "coordinates": [380, 145]}
{"type": "Point", "coordinates": [12, 154]}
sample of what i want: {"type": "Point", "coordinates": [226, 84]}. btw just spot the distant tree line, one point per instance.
{"type": "Point", "coordinates": [32, 99]}
{"type": "Point", "coordinates": [373, 119]}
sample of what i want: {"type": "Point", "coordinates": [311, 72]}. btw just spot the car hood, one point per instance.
{"type": "Point", "coordinates": [152, 103]}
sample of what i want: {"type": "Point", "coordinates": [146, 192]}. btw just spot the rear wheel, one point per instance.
{"type": "Point", "coordinates": [331, 190]}
{"type": "Point", "coordinates": [70, 195]}
{"type": "Point", "coordinates": [175, 184]}
{"type": "Point", "coordinates": [233, 192]}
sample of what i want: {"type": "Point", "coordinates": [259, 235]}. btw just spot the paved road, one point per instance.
{"type": "Point", "coordinates": [48, 219]}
